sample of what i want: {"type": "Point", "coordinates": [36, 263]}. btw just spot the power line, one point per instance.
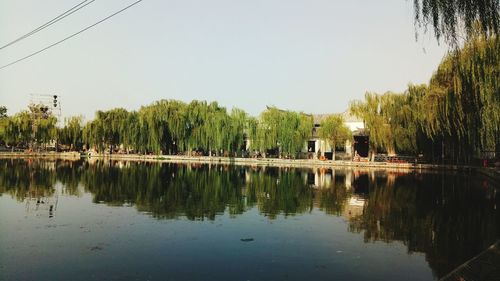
{"type": "Point", "coordinates": [49, 23]}
{"type": "Point", "coordinates": [71, 36]}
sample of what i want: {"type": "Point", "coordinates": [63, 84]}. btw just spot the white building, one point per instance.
{"type": "Point", "coordinates": [316, 146]}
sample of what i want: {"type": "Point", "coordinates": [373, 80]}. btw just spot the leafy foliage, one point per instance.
{"type": "Point", "coordinates": [285, 130]}
{"type": "Point", "coordinates": [335, 131]}
{"type": "Point", "coordinates": [27, 128]}
{"type": "Point", "coordinates": [3, 112]}
{"type": "Point", "coordinates": [450, 17]}
{"type": "Point", "coordinates": [71, 133]}
{"type": "Point", "coordinates": [459, 109]}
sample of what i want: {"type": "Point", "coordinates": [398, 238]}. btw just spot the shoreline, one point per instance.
{"type": "Point", "coordinates": [306, 163]}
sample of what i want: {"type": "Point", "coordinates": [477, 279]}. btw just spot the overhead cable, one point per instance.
{"type": "Point", "coordinates": [74, 9]}
{"type": "Point", "coordinates": [71, 36]}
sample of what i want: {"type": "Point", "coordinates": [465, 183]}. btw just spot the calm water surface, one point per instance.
{"type": "Point", "coordinates": [62, 220]}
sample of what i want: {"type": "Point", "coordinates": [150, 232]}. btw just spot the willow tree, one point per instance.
{"type": "Point", "coordinates": [131, 135]}
{"type": "Point", "coordinates": [71, 133]}
{"type": "Point", "coordinates": [403, 115]}
{"type": "Point", "coordinates": [196, 114]}
{"type": "Point", "coordinates": [3, 122]}
{"type": "Point", "coordinates": [167, 126]}
{"type": "Point", "coordinates": [43, 124]}
{"type": "Point", "coordinates": [170, 126]}
{"type": "Point", "coordinates": [9, 131]}
{"type": "Point", "coordinates": [266, 136]}
{"type": "Point", "coordinates": [107, 129]}
{"type": "Point", "coordinates": [334, 131]}
{"type": "Point", "coordinates": [375, 122]}
{"type": "Point", "coordinates": [236, 131]}
{"type": "Point", "coordinates": [449, 18]}
{"type": "Point", "coordinates": [46, 130]}
{"type": "Point", "coordinates": [458, 112]}
{"type": "Point", "coordinates": [91, 136]}
{"type": "Point", "coordinates": [250, 132]}
{"type": "Point", "coordinates": [215, 128]}
{"type": "Point", "coordinates": [113, 124]}
{"type": "Point", "coordinates": [286, 131]}
{"type": "Point", "coordinates": [3, 112]}
{"type": "Point", "coordinates": [176, 119]}
{"type": "Point", "coordinates": [17, 129]}
{"type": "Point", "coordinates": [154, 120]}
{"type": "Point", "coordinates": [22, 127]}
{"type": "Point", "coordinates": [463, 100]}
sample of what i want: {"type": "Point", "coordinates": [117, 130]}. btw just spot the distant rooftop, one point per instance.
{"type": "Point", "coordinates": [348, 117]}
{"type": "Point", "coordinates": [317, 118]}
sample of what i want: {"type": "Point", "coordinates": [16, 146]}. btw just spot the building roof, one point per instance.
{"type": "Point", "coordinates": [348, 117]}
{"type": "Point", "coordinates": [317, 118]}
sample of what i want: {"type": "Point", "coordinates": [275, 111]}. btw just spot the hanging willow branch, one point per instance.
{"type": "Point", "coordinates": [451, 18]}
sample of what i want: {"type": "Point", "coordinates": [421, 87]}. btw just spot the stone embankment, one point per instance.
{"type": "Point", "coordinates": [491, 172]}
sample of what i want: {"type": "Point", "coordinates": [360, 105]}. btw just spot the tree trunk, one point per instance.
{"type": "Point", "coordinates": [442, 151]}
{"type": "Point", "coordinates": [371, 154]}
{"type": "Point", "coordinates": [333, 150]}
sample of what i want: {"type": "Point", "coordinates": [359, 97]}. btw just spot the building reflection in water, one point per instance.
{"type": "Point", "coordinates": [422, 210]}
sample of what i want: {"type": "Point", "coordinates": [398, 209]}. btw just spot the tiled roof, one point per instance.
{"type": "Point", "coordinates": [348, 117]}
{"type": "Point", "coordinates": [317, 118]}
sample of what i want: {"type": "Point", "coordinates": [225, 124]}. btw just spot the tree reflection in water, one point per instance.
{"type": "Point", "coordinates": [449, 217]}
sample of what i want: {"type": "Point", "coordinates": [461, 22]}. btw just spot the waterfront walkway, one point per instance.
{"type": "Point", "coordinates": [483, 267]}
{"type": "Point", "coordinates": [491, 172]}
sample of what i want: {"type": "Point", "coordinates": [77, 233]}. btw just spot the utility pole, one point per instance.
{"type": "Point", "coordinates": [46, 104]}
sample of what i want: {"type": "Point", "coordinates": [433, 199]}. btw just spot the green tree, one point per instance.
{"type": "Point", "coordinates": [18, 129]}
{"type": "Point", "coordinates": [72, 132]}
{"type": "Point", "coordinates": [463, 100]}
{"type": "Point", "coordinates": [3, 123]}
{"type": "Point", "coordinates": [286, 131]}
{"type": "Point", "coordinates": [334, 131]}
{"type": "Point", "coordinates": [238, 127]}
{"type": "Point", "coordinates": [375, 122]}
{"type": "Point", "coordinates": [46, 130]}
{"type": "Point", "coordinates": [3, 112]}
{"type": "Point", "coordinates": [450, 17]}
{"type": "Point", "coordinates": [457, 115]}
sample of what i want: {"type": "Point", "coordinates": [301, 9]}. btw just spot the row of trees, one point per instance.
{"type": "Point", "coordinates": [32, 127]}
{"type": "Point", "coordinates": [456, 116]}
{"type": "Point", "coordinates": [168, 126]}
{"type": "Point", "coordinates": [171, 127]}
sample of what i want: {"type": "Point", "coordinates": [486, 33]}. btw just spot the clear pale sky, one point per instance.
{"type": "Point", "coordinates": [309, 55]}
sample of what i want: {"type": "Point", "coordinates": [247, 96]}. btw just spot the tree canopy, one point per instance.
{"type": "Point", "coordinates": [456, 114]}
{"type": "Point", "coordinates": [284, 130]}
{"type": "Point", "coordinates": [334, 130]}
{"type": "Point", "coordinates": [451, 18]}
{"type": "Point", "coordinates": [3, 112]}
{"type": "Point", "coordinates": [71, 133]}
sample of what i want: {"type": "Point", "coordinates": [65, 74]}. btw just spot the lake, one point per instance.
{"type": "Point", "coordinates": [115, 220]}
